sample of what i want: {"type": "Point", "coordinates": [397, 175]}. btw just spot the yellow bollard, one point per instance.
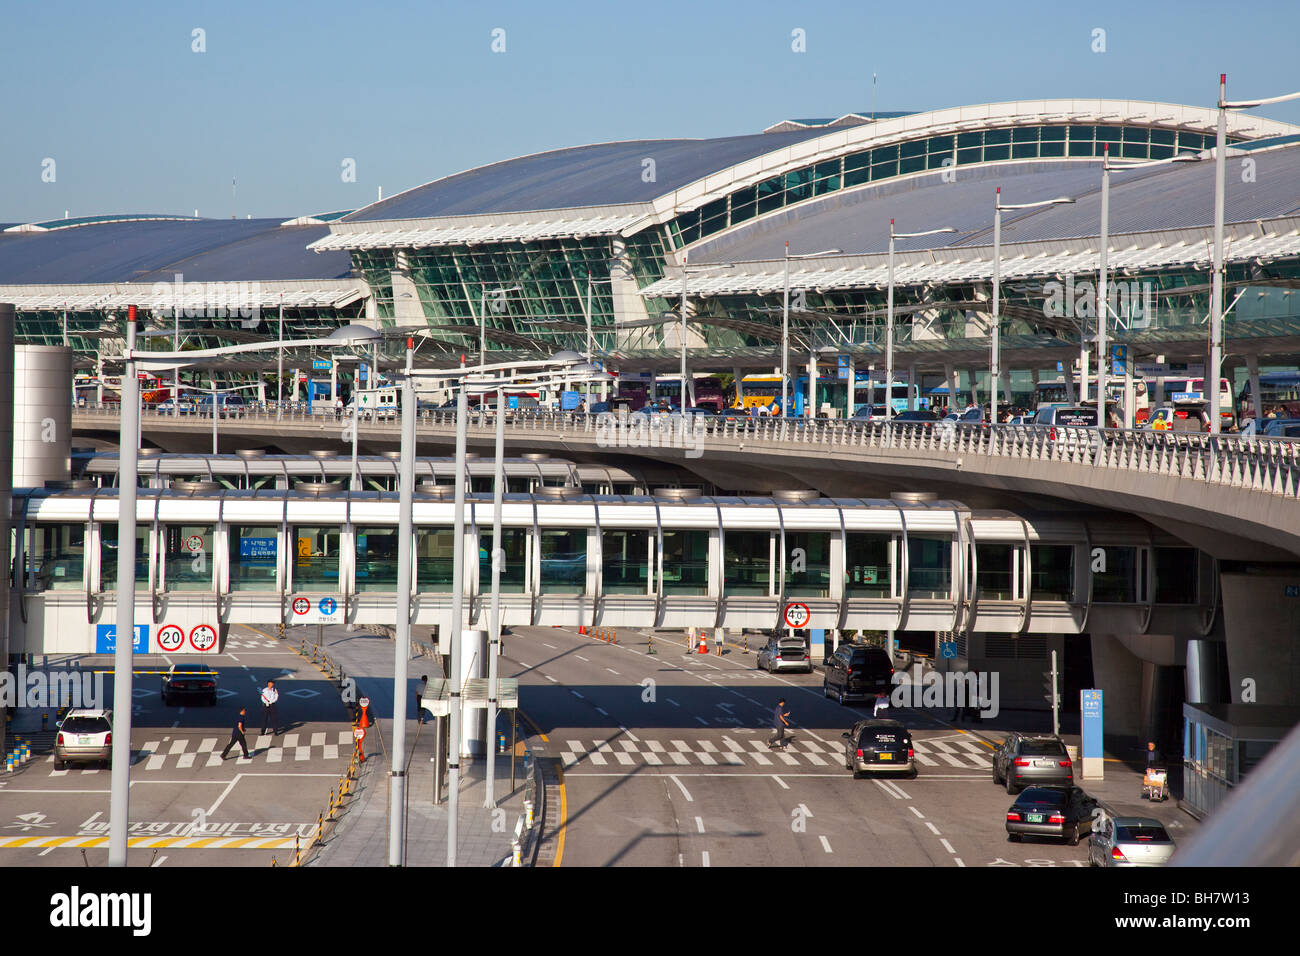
{"type": "Point", "coordinates": [297, 850]}
{"type": "Point", "coordinates": [320, 822]}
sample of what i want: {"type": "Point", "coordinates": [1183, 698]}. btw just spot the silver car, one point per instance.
{"type": "Point", "coordinates": [785, 654]}
{"type": "Point", "coordinates": [85, 736]}
{"type": "Point", "coordinates": [1129, 841]}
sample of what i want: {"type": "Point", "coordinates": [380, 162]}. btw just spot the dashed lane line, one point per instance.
{"type": "Point", "coordinates": [826, 845]}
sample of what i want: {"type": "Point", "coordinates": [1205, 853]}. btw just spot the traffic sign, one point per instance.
{"type": "Point", "coordinates": [203, 637]}
{"type": "Point", "coordinates": [301, 605]}
{"type": "Point", "coordinates": [170, 637]}
{"type": "Point", "coordinates": [194, 542]}
{"type": "Point", "coordinates": [364, 702]}
{"type": "Point", "coordinates": [328, 606]}
{"type": "Point", "coordinates": [320, 365]}
{"type": "Point", "coordinates": [948, 649]}
{"type": "Point", "coordinates": [358, 733]}
{"type": "Point", "coordinates": [797, 615]}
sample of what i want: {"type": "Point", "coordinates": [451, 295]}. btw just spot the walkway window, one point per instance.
{"type": "Point", "coordinates": [57, 556]}
{"type": "Point", "coordinates": [377, 559]}
{"type": "Point", "coordinates": [434, 555]}
{"type": "Point", "coordinates": [994, 576]}
{"type": "Point", "coordinates": [1177, 570]}
{"type": "Point", "coordinates": [253, 554]}
{"type": "Point", "coordinates": [187, 557]}
{"type": "Point", "coordinates": [108, 557]}
{"type": "Point", "coordinates": [316, 558]}
{"type": "Point", "coordinates": [866, 566]}
{"type": "Point", "coordinates": [564, 561]}
{"type": "Point", "coordinates": [808, 564]}
{"type": "Point", "coordinates": [686, 562]}
{"type": "Point", "coordinates": [747, 563]}
{"type": "Point", "coordinates": [1118, 583]}
{"type": "Point", "coordinates": [1052, 572]}
{"type": "Point", "coordinates": [514, 570]}
{"type": "Point", "coordinates": [929, 566]}
{"type": "Point", "coordinates": [625, 557]}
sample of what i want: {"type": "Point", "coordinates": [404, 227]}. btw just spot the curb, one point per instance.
{"type": "Point", "coordinates": [548, 777]}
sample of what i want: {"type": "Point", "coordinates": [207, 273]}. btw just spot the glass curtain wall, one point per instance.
{"type": "Point", "coordinates": [514, 570]}
{"type": "Point", "coordinates": [376, 559]}
{"type": "Point", "coordinates": [686, 562]}
{"type": "Point", "coordinates": [253, 554]}
{"type": "Point", "coordinates": [867, 566]}
{"type": "Point", "coordinates": [747, 563]}
{"type": "Point", "coordinates": [563, 561]}
{"type": "Point", "coordinates": [108, 557]}
{"type": "Point", "coordinates": [57, 556]}
{"type": "Point", "coordinates": [187, 557]}
{"type": "Point", "coordinates": [316, 558]}
{"type": "Point", "coordinates": [625, 561]}
{"type": "Point", "coordinates": [807, 563]}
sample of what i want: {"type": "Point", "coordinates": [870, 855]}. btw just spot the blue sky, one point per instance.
{"type": "Point", "coordinates": [135, 121]}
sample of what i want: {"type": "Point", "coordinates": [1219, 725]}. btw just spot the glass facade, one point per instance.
{"type": "Point", "coordinates": [564, 561]}
{"type": "Point", "coordinates": [434, 556]}
{"type": "Point", "coordinates": [932, 153]}
{"type": "Point", "coordinates": [807, 563]}
{"type": "Point", "coordinates": [316, 558]}
{"type": "Point", "coordinates": [867, 566]}
{"type": "Point", "coordinates": [1118, 584]}
{"type": "Point", "coordinates": [995, 574]}
{"type": "Point", "coordinates": [253, 553]}
{"type": "Point", "coordinates": [747, 563]}
{"type": "Point", "coordinates": [376, 559]}
{"type": "Point", "coordinates": [514, 568]}
{"type": "Point", "coordinates": [625, 561]}
{"type": "Point", "coordinates": [1177, 572]}
{"type": "Point", "coordinates": [108, 557]}
{"type": "Point", "coordinates": [686, 562]}
{"type": "Point", "coordinates": [1051, 576]}
{"type": "Point", "coordinates": [187, 557]}
{"type": "Point", "coordinates": [57, 557]}
{"type": "Point", "coordinates": [929, 566]}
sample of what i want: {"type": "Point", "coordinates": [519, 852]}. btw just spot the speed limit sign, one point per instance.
{"type": "Point", "coordinates": [203, 637]}
{"type": "Point", "coordinates": [301, 605]}
{"type": "Point", "coordinates": [170, 637]}
{"type": "Point", "coordinates": [797, 615]}
{"type": "Point", "coordinates": [194, 542]}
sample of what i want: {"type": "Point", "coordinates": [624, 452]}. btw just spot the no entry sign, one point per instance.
{"type": "Point", "coordinates": [797, 615]}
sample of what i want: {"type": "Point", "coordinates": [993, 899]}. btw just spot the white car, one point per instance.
{"type": "Point", "coordinates": [84, 736]}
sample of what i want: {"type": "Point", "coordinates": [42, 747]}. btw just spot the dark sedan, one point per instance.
{"type": "Point", "coordinates": [189, 681]}
{"type": "Point", "coordinates": [1059, 812]}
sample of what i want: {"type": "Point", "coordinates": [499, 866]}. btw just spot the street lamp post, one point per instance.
{"type": "Point", "coordinates": [685, 272]}
{"type": "Point", "coordinates": [995, 354]}
{"type": "Point", "coordinates": [889, 319]}
{"type": "Point", "coordinates": [785, 323]}
{"type": "Point", "coordinates": [1103, 298]}
{"type": "Point", "coordinates": [1217, 277]}
{"type": "Point", "coordinates": [494, 618]}
{"type": "Point", "coordinates": [402, 651]}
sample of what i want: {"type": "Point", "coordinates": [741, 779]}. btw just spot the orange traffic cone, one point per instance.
{"type": "Point", "coordinates": [364, 722]}
{"type": "Point", "coordinates": [582, 629]}
{"type": "Point", "coordinates": [704, 644]}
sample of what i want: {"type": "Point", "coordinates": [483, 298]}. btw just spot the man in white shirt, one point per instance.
{"type": "Point", "coordinates": [269, 697]}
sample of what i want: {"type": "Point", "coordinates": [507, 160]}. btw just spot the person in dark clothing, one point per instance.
{"type": "Point", "coordinates": [269, 698]}
{"type": "Point", "coordinates": [237, 736]}
{"type": "Point", "coordinates": [419, 693]}
{"type": "Point", "coordinates": [780, 721]}
{"type": "Point", "coordinates": [1155, 759]}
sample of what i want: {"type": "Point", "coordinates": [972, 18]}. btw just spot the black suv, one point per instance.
{"type": "Point", "coordinates": [874, 745]}
{"type": "Point", "coordinates": [1022, 760]}
{"type": "Point", "coordinates": [858, 672]}
{"type": "Point", "coordinates": [1061, 812]}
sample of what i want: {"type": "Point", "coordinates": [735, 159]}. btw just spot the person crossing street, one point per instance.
{"type": "Point", "coordinates": [237, 736]}
{"type": "Point", "coordinates": [780, 721]}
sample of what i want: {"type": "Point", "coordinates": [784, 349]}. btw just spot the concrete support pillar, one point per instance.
{"type": "Point", "coordinates": [1261, 619]}
{"type": "Point", "coordinates": [913, 388]}
{"type": "Point", "coordinates": [950, 381]}
{"type": "Point", "coordinates": [1119, 671]}
{"type": "Point", "coordinates": [739, 378]}
{"type": "Point", "coordinates": [297, 395]}
{"type": "Point", "coordinates": [851, 387]}
{"type": "Point", "coordinates": [811, 410]}
{"type": "Point", "coordinates": [1252, 369]}
{"type": "Point", "coordinates": [974, 386]}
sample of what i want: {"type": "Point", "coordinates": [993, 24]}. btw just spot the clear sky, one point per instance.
{"type": "Point", "coordinates": [136, 121]}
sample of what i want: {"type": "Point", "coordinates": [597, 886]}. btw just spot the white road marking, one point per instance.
{"type": "Point", "coordinates": [207, 745]}
{"type": "Point", "coordinates": [948, 846]}
{"type": "Point", "coordinates": [318, 740]}
{"type": "Point", "coordinates": [630, 735]}
{"type": "Point", "coordinates": [787, 758]}
{"type": "Point", "coordinates": [628, 746]}
{"type": "Point", "coordinates": [761, 760]}
{"type": "Point", "coordinates": [673, 702]}
{"type": "Point", "coordinates": [185, 761]}
{"type": "Point", "coordinates": [602, 710]}
{"type": "Point", "coordinates": [575, 746]}
{"type": "Point", "coordinates": [826, 844]}
{"type": "Point", "coordinates": [612, 671]}
{"type": "Point", "coordinates": [551, 679]}
{"type": "Point", "coordinates": [682, 787]}
{"type": "Point", "coordinates": [709, 746]}
{"type": "Point", "coordinates": [275, 755]}
{"type": "Point", "coordinates": [224, 793]}
{"type": "Point", "coordinates": [958, 861]}
{"type": "Point", "coordinates": [159, 861]}
{"type": "Point", "coordinates": [679, 758]}
{"type": "Point", "coordinates": [889, 788]}
{"type": "Point", "coordinates": [706, 858]}
{"type": "Point", "coordinates": [290, 741]}
{"type": "Point", "coordinates": [581, 658]}
{"type": "Point", "coordinates": [302, 753]}
{"type": "Point", "coordinates": [596, 758]}
{"type": "Point", "coordinates": [624, 758]}
{"type": "Point", "coordinates": [525, 666]}
{"type": "Point", "coordinates": [48, 849]}
{"type": "Point", "coordinates": [653, 759]}
{"type": "Point", "coordinates": [654, 745]}
{"type": "Point", "coordinates": [699, 823]}
{"type": "Point", "coordinates": [551, 646]}
{"type": "Point", "coordinates": [155, 762]}
{"type": "Point", "coordinates": [933, 829]}
{"type": "Point", "coordinates": [919, 814]}
{"type": "Point", "coordinates": [703, 721]}
{"type": "Point", "coordinates": [577, 695]}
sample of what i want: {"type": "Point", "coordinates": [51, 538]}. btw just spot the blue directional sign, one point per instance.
{"type": "Point", "coordinates": [106, 639]}
{"type": "Point", "coordinates": [569, 401]}
{"type": "Point", "coordinates": [320, 365]}
{"type": "Point", "coordinates": [328, 605]}
{"type": "Point", "coordinates": [843, 366]}
{"type": "Point", "coordinates": [1093, 746]}
{"type": "Point", "coordinates": [948, 649]}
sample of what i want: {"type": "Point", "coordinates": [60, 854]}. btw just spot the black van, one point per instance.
{"type": "Point", "coordinates": [858, 672]}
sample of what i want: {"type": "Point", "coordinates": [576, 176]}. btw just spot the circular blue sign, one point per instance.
{"type": "Point", "coordinates": [328, 605]}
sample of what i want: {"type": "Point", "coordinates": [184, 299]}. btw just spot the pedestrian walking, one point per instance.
{"type": "Point", "coordinates": [237, 736]}
{"type": "Point", "coordinates": [269, 698]}
{"type": "Point", "coordinates": [717, 641]}
{"type": "Point", "coordinates": [780, 721]}
{"type": "Point", "coordinates": [419, 695]}
{"type": "Point", "coordinates": [338, 408]}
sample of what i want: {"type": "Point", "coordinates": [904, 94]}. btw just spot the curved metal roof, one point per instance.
{"type": "Point", "coordinates": [204, 250]}
{"type": "Point", "coordinates": [602, 174]}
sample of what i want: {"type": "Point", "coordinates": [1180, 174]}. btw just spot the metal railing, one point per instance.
{"type": "Point", "coordinates": [1253, 463]}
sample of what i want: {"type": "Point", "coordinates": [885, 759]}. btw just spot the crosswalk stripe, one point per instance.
{"type": "Point", "coordinates": [708, 746]}
{"type": "Point", "coordinates": [214, 760]}
{"type": "Point", "coordinates": [263, 741]}
{"type": "Point", "coordinates": [732, 758]}
{"type": "Point", "coordinates": [186, 761]}
{"type": "Point", "coordinates": [761, 760]}
{"type": "Point", "coordinates": [152, 746]}
{"type": "Point", "coordinates": [596, 758]}
{"type": "Point", "coordinates": [952, 759]}
{"type": "Point", "coordinates": [576, 747]}
{"type": "Point", "coordinates": [569, 758]}
{"type": "Point", "coordinates": [732, 745]}
{"type": "Point", "coordinates": [275, 755]}
{"type": "Point", "coordinates": [178, 746]}
{"type": "Point", "coordinates": [813, 758]}
{"type": "Point", "coordinates": [924, 760]}
{"type": "Point", "coordinates": [302, 753]}
{"type": "Point", "coordinates": [788, 759]}
{"type": "Point", "coordinates": [680, 745]}
{"type": "Point", "coordinates": [290, 741]}
{"type": "Point", "coordinates": [207, 745]}
{"type": "Point", "coordinates": [624, 758]}
{"type": "Point", "coordinates": [318, 740]}
{"type": "Point", "coordinates": [652, 758]}
{"type": "Point", "coordinates": [655, 746]}
{"type": "Point", "coordinates": [678, 757]}
{"type": "Point", "coordinates": [811, 747]}
{"type": "Point", "coordinates": [628, 746]}
{"type": "Point", "coordinates": [155, 762]}
{"type": "Point", "coordinates": [331, 751]}
{"type": "Point", "coordinates": [345, 738]}
{"type": "Point", "coordinates": [706, 759]}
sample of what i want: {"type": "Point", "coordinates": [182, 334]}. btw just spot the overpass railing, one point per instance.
{"type": "Point", "coordinates": [1254, 463]}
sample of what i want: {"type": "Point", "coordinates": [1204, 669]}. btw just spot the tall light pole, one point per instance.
{"type": "Point", "coordinates": [128, 468]}
{"type": "Point", "coordinates": [405, 533]}
{"type": "Point", "coordinates": [457, 624]}
{"type": "Point", "coordinates": [482, 319]}
{"type": "Point", "coordinates": [279, 366]}
{"type": "Point", "coordinates": [785, 323]}
{"type": "Point", "coordinates": [1216, 281]}
{"type": "Point", "coordinates": [995, 347]}
{"type": "Point", "coordinates": [1103, 299]}
{"type": "Point", "coordinates": [494, 615]}
{"type": "Point", "coordinates": [685, 272]}
{"type": "Point", "coordinates": [889, 318]}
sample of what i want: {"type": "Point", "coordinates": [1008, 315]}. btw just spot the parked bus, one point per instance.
{"type": "Point", "coordinates": [1278, 391]}
{"type": "Point", "coordinates": [1175, 389]}
{"type": "Point", "coordinates": [634, 391]}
